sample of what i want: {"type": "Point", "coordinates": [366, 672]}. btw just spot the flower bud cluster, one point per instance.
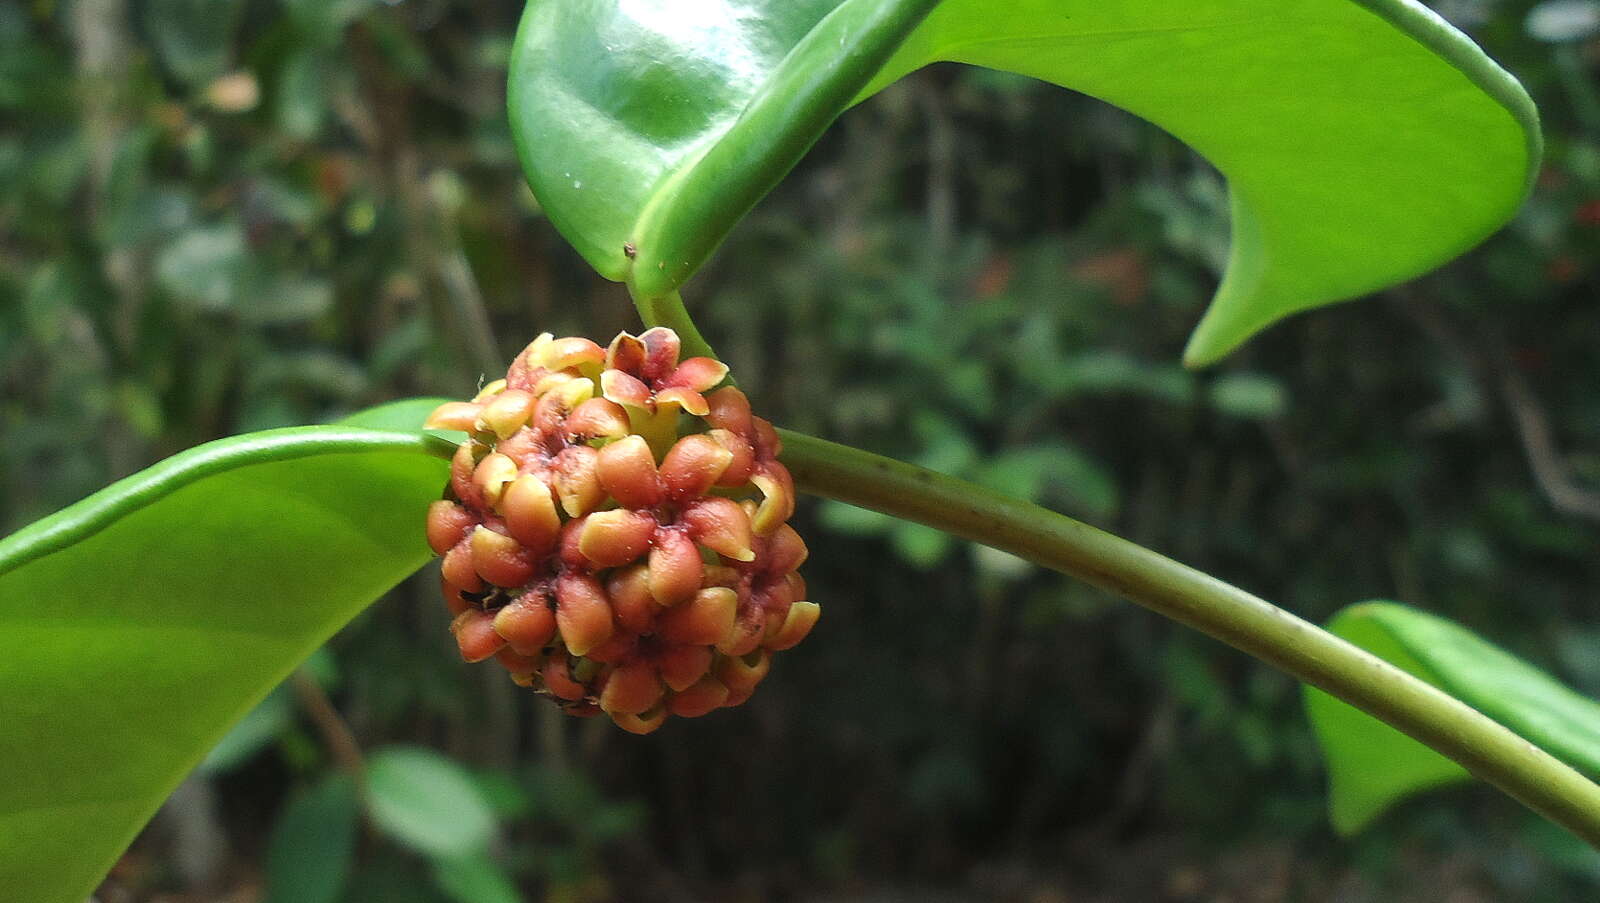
{"type": "Point", "coordinates": [615, 533]}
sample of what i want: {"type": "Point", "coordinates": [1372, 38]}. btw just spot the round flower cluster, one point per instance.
{"type": "Point", "coordinates": [614, 532]}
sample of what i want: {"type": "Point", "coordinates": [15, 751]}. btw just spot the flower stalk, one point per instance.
{"type": "Point", "coordinates": [1250, 624]}
{"type": "Point", "coordinates": [1486, 748]}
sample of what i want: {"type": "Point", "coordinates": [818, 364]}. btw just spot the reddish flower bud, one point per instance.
{"type": "Point", "coordinates": [547, 383]}
{"type": "Point", "coordinates": [777, 499]}
{"type": "Point", "coordinates": [741, 673]}
{"type": "Point", "coordinates": [632, 688]}
{"type": "Point", "coordinates": [640, 724]}
{"type": "Point", "coordinates": [529, 364]}
{"type": "Point", "coordinates": [661, 346]}
{"type": "Point", "coordinates": [785, 550]}
{"type": "Point", "coordinates": [627, 470]}
{"type": "Point", "coordinates": [777, 594]}
{"type": "Point", "coordinates": [749, 627]}
{"type": "Point", "coordinates": [682, 666]}
{"type": "Point", "coordinates": [559, 401]}
{"type": "Point", "coordinates": [491, 476]}
{"type": "Point", "coordinates": [527, 623]}
{"type": "Point", "coordinates": [530, 512]}
{"type": "Point", "coordinates": [558, 680]}
{"type": "Point", "coordinates": [518, 664]}
{"type": "Point", "coordinates": [612, 538]}
{"type": "Point", "coordinates": [688, 399]}
{"type": "Point", "coordinates": [720, 525]}
{"type": "Point", "coordinates": [626, 355]}
{"type": "Point", "coordinates": [447, 524]}
{"type": "Point", "coordinates": [572, 352]}
{"type": "Point", "coordinates": [462, 465]}
{"type": "Point", "coordinates": [461, 416]}
{"type": "Point", "coordinates": [676, 570]}
{"type": "Point", "coordinates": [620, 648]}
{"type": "Point", "coordinates": [474, 631]}
{"type": "Point", "coordinates": [582, 612]}
{"type": "Point", "coordinates": [793, 627]}
{"type": "Point", "coordinates": [704, 620]}
{"type": "Point", "coordinates": [698, 374]}
{"type": "Point", "coordinates": [506, 413]}
{"type": "Point", "coordinates": [743, 462]}
{"type": "Point", "coordinates": [597, 418]}
{"type": "Point", "coordinates": [458, 570]}
{"type": "Point", "coordinates": [624, 389]}
{"type": "Point", "coordinates": [499, 559]}
{"type": "Point", "coordinates": [693, 466]}
{"type": "Point", "coordinates": [631, 601]}
{"type": "Point", "coordinates": [576, 481]}
{"type": "Point", "coordinates": [707, 695]}
{"type": "Point", "coordinates": [730, 410]}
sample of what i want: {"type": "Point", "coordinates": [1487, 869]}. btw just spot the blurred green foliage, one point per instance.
{"type": "Point", "coordinates": [235, 214]}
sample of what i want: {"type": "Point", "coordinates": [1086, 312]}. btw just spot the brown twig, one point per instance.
{"type": "Point", "coordinates": [1550, 470]}
{"type": "Point", "coordinates": [1498, 374]}
{"type": "Point", "coordinates": [336, 734]}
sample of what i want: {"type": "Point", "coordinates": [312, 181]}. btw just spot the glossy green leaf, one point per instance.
{"type": "Point", "coordinates": [1365, 141]}
{"type": "Point", "coordinates": [1371, 766]}
{"type": "Point", "coordinates": [313, 843]}
{"type": "Point", "coordinates": [427, 802]}
{"type": "Point", "coordinates": [137, 625]}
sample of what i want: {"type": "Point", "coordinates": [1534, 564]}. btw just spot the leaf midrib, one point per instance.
{"type": "Point", "coordinates": [90, 516]}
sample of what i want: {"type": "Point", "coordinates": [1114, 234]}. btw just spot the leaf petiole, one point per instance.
{"type": "Point", "coordinates": [1486, 748]}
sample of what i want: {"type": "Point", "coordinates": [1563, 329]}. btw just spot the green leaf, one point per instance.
{"type": "Point", "coordinates": [204, 266]}
{"type": "Point", "coordinates": [1365, 141]}
{"type": "Point", "coordinates": [1564, 20]}
{"type": "Point", "coordinates": [854, 521]}
{"type": "Point", "coordinates": [302, 97]}
{"type": "Point", "coordinates": [920, 545]}
{"type": "Point", "coordinates": [193, 37]}
{"type": "Point", "coordinates": [313, 843]}
{"type": "Point", "coordinates": [1371, 766]}
{"type": "Point", "coordinates": [474, 878]}
{"type": "Point", "coordinates": [427, 802]}
{"type": "Point", "coordinates": [137, 625]}
{"type": "Point", "coordinates": [1031, 472]}
{"type": "Point", "coordinates": [1251, 396]}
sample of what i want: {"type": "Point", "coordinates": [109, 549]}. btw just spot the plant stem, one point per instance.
{"type": "Point", "coordinates": [1243, 621]}
{"type": "Point", "coordinates": [668, 310]}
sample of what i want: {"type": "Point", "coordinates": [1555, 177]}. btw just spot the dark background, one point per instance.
{"type": "Point", "coordinates": [227, 215]}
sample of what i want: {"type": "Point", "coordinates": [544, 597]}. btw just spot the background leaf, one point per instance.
{"type": "Point", "coordinates": [1364, 142]}
{"type": "Point", "coordinates": [427, 802]}
{"type": "Point", "coordinates": [193, 36]}
{"type": "Point", "coordinates": [190, 590]}
{"type": "Point", "coordinates": [474, 878]}
{"type": "Point", "coordinates": [313, 843]}
{"type": "Point", "coordinates": [1371, 766]}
